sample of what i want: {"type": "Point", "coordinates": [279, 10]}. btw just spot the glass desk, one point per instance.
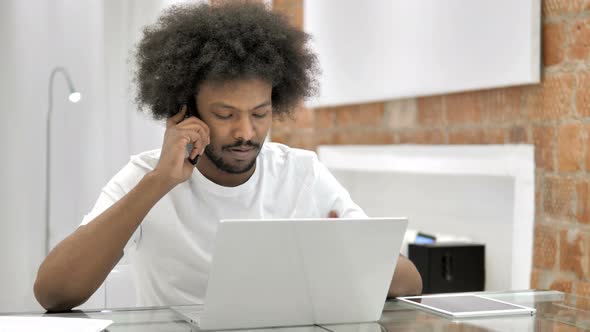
{"type": "Point", "coordinates": [556, 311]}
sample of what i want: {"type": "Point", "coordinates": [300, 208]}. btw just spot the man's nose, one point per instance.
{"type": "Point", "coordinates": [244, 129]}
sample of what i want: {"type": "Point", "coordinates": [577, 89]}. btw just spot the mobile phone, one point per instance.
{"type": "Point", "coordinates": [191, 110]}
{"type": "Point", "coordinates": [191, 106]}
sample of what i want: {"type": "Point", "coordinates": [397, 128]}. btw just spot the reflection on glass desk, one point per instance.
{"type": "Point", "coordinates": [556, 311]}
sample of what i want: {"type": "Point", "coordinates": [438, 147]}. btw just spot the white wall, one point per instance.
{"type": "Point", "coordinates": [22, 102]}
{"type": "Point", "coordinates": [91, 140]}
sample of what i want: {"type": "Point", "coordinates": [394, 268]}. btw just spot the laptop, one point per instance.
{"type": "Point", "coordinates": [295, 272]}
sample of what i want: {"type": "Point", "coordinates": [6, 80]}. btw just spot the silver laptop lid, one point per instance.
{"type": "Point", "coordinates": [285, 272]}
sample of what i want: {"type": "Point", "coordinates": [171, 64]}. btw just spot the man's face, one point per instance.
{"type": "Point", "coordinates": [239, 115]}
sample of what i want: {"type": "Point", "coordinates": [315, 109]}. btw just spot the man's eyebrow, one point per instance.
{"type": "Point", "coordinates": [224, 105]}
{"type": "Point", "coordinates": [266, 103]}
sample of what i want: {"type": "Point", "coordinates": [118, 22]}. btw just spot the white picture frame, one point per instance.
{"type": "Point", "coordinates": [381, 50]}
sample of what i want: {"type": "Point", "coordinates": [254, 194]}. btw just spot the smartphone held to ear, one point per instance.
{"type": "Point", "coordinates": [191, 110]}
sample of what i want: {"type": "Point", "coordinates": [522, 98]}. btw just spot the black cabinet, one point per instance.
{"type": "Point", "coordinates": [449, 267]}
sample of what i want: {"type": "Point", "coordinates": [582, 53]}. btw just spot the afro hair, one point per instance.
{"type": "Point", "coordinates": [197, 42]}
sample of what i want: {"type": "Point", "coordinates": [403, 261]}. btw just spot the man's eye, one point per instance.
{"type": "Point", "coordinates": [260, 115]}
{"type": "Point", "coordinates": [223, 117]}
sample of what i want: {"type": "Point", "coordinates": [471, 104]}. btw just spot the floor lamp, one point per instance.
{"type": "Point", "coordinates": [74, 97]}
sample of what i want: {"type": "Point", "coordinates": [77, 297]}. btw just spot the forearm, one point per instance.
{"type": "Point", "coordinates": [78, 265]}
{"type": "Point", "coordinates": [406, 279]}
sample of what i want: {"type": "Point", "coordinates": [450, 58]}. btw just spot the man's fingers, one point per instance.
{"type": "Point", "coordinates": [201, 130]}
{"type": "Point", "coordinates": [196, 151]}
{"type": "Point", "coordinates": [194, 137]}
{"type": "Point", "coordinates": [189, 122]}
{"type": "Point", "coordinates": [333, 214]}
{"type": "Point", "coordinates": [176, 118]}
{"type": "Point", "coordinates": [196, 133]}
{"type": "Point", "coordinates": [195, 142]}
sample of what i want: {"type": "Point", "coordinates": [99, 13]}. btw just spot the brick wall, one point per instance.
{"type": "Point", "coordinates": [554, 116]}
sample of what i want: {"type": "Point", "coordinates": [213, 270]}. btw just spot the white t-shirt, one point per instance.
{"type": "Point", "coordinates": [170, 253]}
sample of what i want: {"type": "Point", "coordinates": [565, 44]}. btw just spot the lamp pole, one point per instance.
{"type": "Point", "coordinates": [74, 97]}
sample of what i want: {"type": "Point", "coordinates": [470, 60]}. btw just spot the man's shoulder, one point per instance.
{"type": "Point", "coordinates": [280, 157]}
{"type": "Point", "coordinates": [146, 160]}
{"type": "Point", "coordinates": [277, 151]}
{"type": "Point", "coordinates": [138, 165]}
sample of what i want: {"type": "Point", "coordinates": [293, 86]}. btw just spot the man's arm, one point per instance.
{"type": "Point", "coordinates": [79, 264]}
{"type": "Point", "coordinates": [406, 279]}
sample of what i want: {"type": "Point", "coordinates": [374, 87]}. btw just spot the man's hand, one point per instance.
{"type": "Point", "coordinates": [333, 214]}
{"type": "Point", "coordinates": [173, 165]}
{"type": "Point", "coordinates": [406, 279]}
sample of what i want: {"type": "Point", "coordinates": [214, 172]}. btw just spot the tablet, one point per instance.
{"type": "Point", "coordinates": [466, 305]}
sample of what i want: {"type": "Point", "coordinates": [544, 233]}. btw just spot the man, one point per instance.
{"type": "Point", "coordinates": [219, 75]}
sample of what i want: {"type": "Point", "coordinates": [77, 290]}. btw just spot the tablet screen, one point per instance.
{"type": "Point", "coordinates": [465, 304]}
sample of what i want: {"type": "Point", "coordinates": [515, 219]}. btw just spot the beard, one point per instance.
{"type": "Point", "coordinates": [228, 167]}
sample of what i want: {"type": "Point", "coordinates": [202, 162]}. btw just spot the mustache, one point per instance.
{"type": "Point", "coordinates": [241, 143]}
